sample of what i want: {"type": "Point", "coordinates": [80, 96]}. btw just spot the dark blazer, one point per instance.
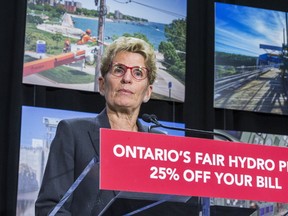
{"type": "Point", "coordinates": [76, 142]}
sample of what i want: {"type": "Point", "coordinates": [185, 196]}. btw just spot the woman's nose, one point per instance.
{"type": "Point", "coordinates": [127, 77]}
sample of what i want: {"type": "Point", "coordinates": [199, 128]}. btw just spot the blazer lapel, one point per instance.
{"type": "Point", "coordinates": [100, 121]}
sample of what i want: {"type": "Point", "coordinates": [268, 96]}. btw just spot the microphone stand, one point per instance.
{"type": "Point", "coordinates": [73, 186]}
{"type": "Point", "coordinates": [158, 124]}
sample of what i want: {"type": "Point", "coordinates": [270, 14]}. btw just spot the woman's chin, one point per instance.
{"type": "Point", "coordinates": [125, 106]}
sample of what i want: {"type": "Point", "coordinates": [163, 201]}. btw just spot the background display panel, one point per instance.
{"type": "Point", "coordinates": [37, 132]}
{"type": "Point", "coordinates": [54, 57]}
{"type": "Point", "coordinates": [250, 59]}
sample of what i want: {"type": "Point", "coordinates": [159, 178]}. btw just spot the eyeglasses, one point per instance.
{"type": "Point", "coordinates": [138, 72]}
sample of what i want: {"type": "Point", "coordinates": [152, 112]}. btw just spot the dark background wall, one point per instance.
{"type": "Point", "coordinates": [196, 112]}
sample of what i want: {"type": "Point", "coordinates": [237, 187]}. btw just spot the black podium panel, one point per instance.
{"type": "Point", "coordinates": [228, 211]}
{"type": "Point", "coordinates": [144, 204]}
{"type": "Point", "coordinates": [152, 206]}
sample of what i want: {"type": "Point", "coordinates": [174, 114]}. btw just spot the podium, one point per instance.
{"type": "Point", "coordinates": [145, 204]}
{"type": "Point", "coordinates": [230, 210]}
{"type": "Point", "coordinates": [186, 166]}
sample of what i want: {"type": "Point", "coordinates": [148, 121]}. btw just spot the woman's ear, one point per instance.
{"type": "Point", "coordinates": [146, 99]}
{"type": "Point", "coordinates": [101, 85]}
{"type": "Point", "coordinates": [148, 94]}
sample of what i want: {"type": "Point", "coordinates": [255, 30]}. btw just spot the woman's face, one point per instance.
{"type": "Point", "coordinates": [125, 93]}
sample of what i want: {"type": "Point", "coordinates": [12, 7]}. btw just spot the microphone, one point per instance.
{"type": "Point", "coordinates": [151, 118]}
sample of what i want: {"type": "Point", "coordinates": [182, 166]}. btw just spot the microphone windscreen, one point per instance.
{"type": "Point", "coordinates": [146, 118]}
{"type": "Point", "coordinates": [153, 117]}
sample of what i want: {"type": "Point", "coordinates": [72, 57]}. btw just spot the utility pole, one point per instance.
{"type": "Point", "coordinates": [101, 22]}
{"type": "Point", "coordinates": [284, 66]}
{"type": "Point", "coordinates": [285, 57]}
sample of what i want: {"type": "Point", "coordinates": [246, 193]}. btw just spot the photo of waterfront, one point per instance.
{"type": "Point", "coordinates": [54, 57]}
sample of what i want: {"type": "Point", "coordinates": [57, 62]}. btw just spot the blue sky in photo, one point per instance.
{"type": "Point", "coordinates": [160, 11]}
{"type": "Point", "coordinates": [241, 29]}
{"type": "Point", "coordinates": [32, 126]}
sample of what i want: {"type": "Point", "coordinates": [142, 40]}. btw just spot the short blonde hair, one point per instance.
{"type": "Point", "coordinates": [130, 44]}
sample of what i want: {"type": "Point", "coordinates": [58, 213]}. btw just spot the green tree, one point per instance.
{"type": "Point", "coordinates": [30, 41]}
{"type": "Point", "coordinates": [60, 9]}
{"type": "Point", "coordinates": [176, 34]}
{"type": "Point", "coordinates": [174, 50]}
{"type": "Point", "coordinates": [47, 7]}
{"type": "Point", "coordinates": [235, 60]}
{"type": "Point", "coordinates": [169, 52]}
{"type": "Point", "coordinates": [34, 19]}
{"type": "Point", "coordinates": [78, 11]}
{"type": "Point", "coordinates": [57, 37]}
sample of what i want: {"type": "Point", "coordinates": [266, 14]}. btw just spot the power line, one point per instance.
{"type": "Point", "coordinates": [126, 2]}
{"type": "Point", "coordinates": [159, 9]}
{"type": "Point", "coordinates": [151, 7]}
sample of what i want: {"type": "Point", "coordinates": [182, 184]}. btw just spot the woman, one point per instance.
{"type": "Point", "coordinates": [128, 71]}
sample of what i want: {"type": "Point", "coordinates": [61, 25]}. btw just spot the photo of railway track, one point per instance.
{"type": "Point", "coordinates": [251, 67]}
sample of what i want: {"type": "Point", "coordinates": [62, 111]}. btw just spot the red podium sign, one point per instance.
{"type": "Point", "coordinates": [155, 163]}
